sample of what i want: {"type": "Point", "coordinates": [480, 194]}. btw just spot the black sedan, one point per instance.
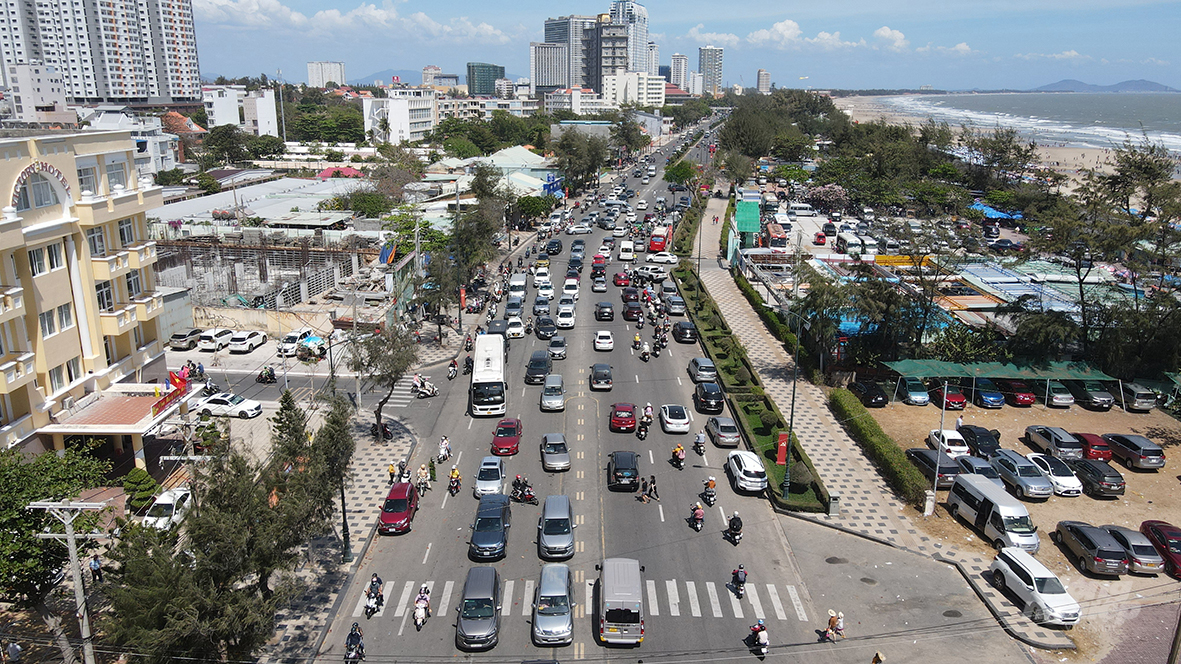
{"type": "Point", "coordinates": [685, 332]}
{"type": "Point", "coordinates": [870, 394]}
{"type": "Point", "coordinates": [981, 441]}
{"type": "Point", "coordinates": [546, 328]}
{"type": "Point", "coordinates": [708, 398]}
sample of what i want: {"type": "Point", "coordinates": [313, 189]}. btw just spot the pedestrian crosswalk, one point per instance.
{"type": "Point", "coordinates": [669, 597]}
{"type": "Point", "coordinates": [402, 397]}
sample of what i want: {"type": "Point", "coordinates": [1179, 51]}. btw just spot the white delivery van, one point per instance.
{"type": "Point", "coordinates": [802, 210]}
{"type": "Point", "coordinates": [998, 516]}
{"type": "Point", "coordinates": [517, 284]}
{"type": "Point", "coordinates": [627, 251]}
{"type": "Point", "coordinates": [621, 601]}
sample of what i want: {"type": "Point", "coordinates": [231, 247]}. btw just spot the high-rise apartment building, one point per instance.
{"type": "Point", "coordinates": [709, 63]}
{"type": "Point", "coordinates": [107, 50]}
{"type": "Point", "coordinates": [606, 51]}
{"type": "Point", "coordinates": [696, 83]}
{"type": "Point", "coordinates": [429, 73]}
{"type": "Point", "coordinates": [635, 87]}
{"type": "Point", "coordinates": [481, 78]}
{"type": "Point", "coordinates": [764, 81]}
{"type": "Point", "coordinates": [653, 59]}
{"type": "Point", "coordinates": [320, 74]}
{"type": "Point", "coordinates": [548, 67]}
{"type": "Point", "coordinates": [571, 30]}
{"type": "Point", "coordinates": [680, 71]}
{"type": "Point", "coordinates": [635, 17]}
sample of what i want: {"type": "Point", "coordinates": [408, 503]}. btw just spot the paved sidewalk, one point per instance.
{"type": "Point", "coordinates": [867, 505]}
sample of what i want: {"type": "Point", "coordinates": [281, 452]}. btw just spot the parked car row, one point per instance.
{"type": "Point", "coordinates": [956, 393]}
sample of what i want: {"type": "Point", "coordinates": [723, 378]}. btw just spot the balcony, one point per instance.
{"type": "Point", "coordinates": [117, 320]}
{"type": "Point", "coordinates": [12, 303]}
{"type": "Point", "coordinates": [13, 433]}
{"type": "Point", "coordinates": [110, 265]}
{"type": "Point", "coordinates": [16, 369]}
{"type": "Point", "coordinates": [94, 210]}
{"type": "Point", "coordinates": [142, 254]}
{"type": "Point", "coordinates": [148, 305]}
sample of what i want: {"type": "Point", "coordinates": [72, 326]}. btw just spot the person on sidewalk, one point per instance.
{"type": "Point", "coordinates": [830, 630]}
{"type": "Point", "coordinates": [394, 471]}
{"type": "Point", "coordinates": [959, 422]}
{"type": "Point", "coordinates": [840, 627]}
{"type": "Point", "coordinates": [96, 569]}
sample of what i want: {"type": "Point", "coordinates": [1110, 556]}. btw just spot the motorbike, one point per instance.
{"type": "Point", "coordinates": [644, 355]}
{"type": "Point", "coordinates": [425, 391]}
{"type": "Point", "coordinates": [656, 351]}
{"type": "Point", "coordinates": [352, 653]}
{"type": "Point", "coordinates": [265, 376]}
{"type": "Point", "coordinates": [636, 344]}
{"type": "Point", "coordinates": [757, 640]}
{"type": "Point", "coordinates": [420, 615]}
{"type": "Point", "coordinates": [372, 603]}
{"type": "Point", "coordinates": [211, 388]}
{"type": "Point", "coordinates": [467, 344]}
{"type": "Point", "coordinates": [467, 365]}
{"type": "Point", "coordinates": [525, 495]}
{"type": "Point", "coordinates": [699, 446]}
{"type": "Point", "coordinates": [529, 326]}
{"type": "Point", "coordinates": [640, 323]}
{"type": "Point", "coordinates": [386, 432]}
{"type": "Point", "coordinates": [453, 486]}
{"type": "Point", "coordinates": [423, 486]}
{"type": "Point", "coordinates": [641, 431]}
{"type": "Point", "coordinates": [739, 588]}
{"type": "Point", "coordinates": [709, 496]}
{"type": "Point", "coordinates": [451, 372]}
{"type": "Point", "coordinates": [696, 521]}
{"type": "Point", "coordinates": [443, 455]}
{"type": "Point", "coordinates": [735, 536]}
{"type": "Point", "coordinates": [679, 459]}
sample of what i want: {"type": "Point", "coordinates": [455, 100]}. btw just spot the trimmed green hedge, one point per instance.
{"type": "Point", "coordinates": [890, 459]}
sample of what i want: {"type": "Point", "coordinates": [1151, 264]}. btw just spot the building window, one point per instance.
{"type": "Point", "coordinates": [98, 244]}
{"type": "Point", "coordinates": [65, 316]}
{"type": "Point", "coordinates": [106, 298]}
{"type": "Point", "coordinates": [43, 193]}
{"type": "Point", "coordinates": [22, 200]}
{"type": "Point", "coordinates": [116, 175]}
{"type": "Point", "coordinates": [57, 379]}
{"type": "Point", "coordinates": [47, 324]}
{"type": "Point", "coordinates": [56, 260]}
{"type": "Point", "coordinates": [74, 369]}
{"type": "Point", "coordinates": [126, 232]}
{"type": "Point", "coordinates": [88, 179]}
{"type": "Point", "coordinates": [133, 285]}
{"type": "Point", "coordinates": [37, 261]}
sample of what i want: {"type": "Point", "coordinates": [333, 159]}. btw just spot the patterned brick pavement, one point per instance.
{"type": "Point", "coordinates": [867, 505]}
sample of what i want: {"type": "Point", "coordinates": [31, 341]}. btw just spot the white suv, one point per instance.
{"type": "Point", "coordinates": [1036, 589]}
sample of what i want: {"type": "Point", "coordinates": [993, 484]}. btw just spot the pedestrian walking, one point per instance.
{"type": "Point", "coordinates": [840, 628]}
{"type": "Point", "coordinates": [878, 658]}
{"type": "Point", "coordinates": [643, 490]}
{"type": "Point", "coordinates": [652, 489]}
{"type": "Point", "coordinates": [393, 472]}
{"type": "Point", "coordinates": [96, 569]}
{"type": "Point", "coordinates": [830, 630]}
{"type": "Point", "coordinates": [959, 422]}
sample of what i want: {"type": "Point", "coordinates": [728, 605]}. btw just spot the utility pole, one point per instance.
{"type": "Point", "coordinates": [282, 111]}
{"type": "Point", "coordinates": [66, 511]}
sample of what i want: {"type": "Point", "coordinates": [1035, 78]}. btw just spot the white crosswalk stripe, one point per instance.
{"type": "Point", "coordinates": [735, 605]}
{"type": "Point", "coordinates": [773, 593]}
{"type": "Point", "coordinates": [753, 594]}
{"type": "Point", "coordinates": [527, 598]}
{"type": "Point", "coordinates": [445, 599]}
{"type": "Point", "coordinates": [400, 609]}
{"type": "Point", "coordinates": [694, 604]}
{"type": "Point", "coordinates": [711, 589]}
{"type": "Point", "coordinates": [508, 597]}
{"type": "Point", "coordinates": [795, 600]}
{"type": "Point", "coordinates": [653, 605]}
{"type": "Point", "coordinates": [674, 602]}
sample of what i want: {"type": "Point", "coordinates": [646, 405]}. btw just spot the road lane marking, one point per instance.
{"type": "Point", "coordinates": [400, 609]}
{"type": "Point", "coordinates": [470, 423]}
{"type": "Point", "coordinates": [674, 602]}
{"type": "Point", "coordinates": [704, 461]}
{"type": "Point", "coordinates": [579, 650]}
{"type": "Point", "coordinates": [527, 598]}
{"type": "Point", "coordinates": [735, 605]}
{"type": "Point", "coordinates": [522, 393]}
{"type": "Point", "coordinates": [637, 379]}
{"type": "Point", "coordinates": [651, 459]}
{"type": "Point", "coordinates": [678, 381]}
{"type": "Point", "coordinates": [661, 508]}
{"type": "Point", "coordinates": [795, 600]}
{"type": "Point", "coordinates": [445, 600]}
{"type": "Point", "coordinates": [753, 594]}
{"type": "Point", "coordinates": [653, 606]}
{"type": "Point", "coordinates": [508, 597]}
{"type": "Point", "coordinates": [694, 604]}
{"type": "Point", "coordinates": [773, 592]}
{"type": "Point", "coordinates": [428, 552]}
{"type": "Point", "coordinates": [714, 605]}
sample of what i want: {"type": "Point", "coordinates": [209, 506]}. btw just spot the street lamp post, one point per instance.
{"type": "Point", "coordinates": [785, 486]}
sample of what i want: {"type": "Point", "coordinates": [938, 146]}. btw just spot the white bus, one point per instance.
{"type": "Point", "coordinates": [847, 243]}
{"type": "Point", "coordinates": [489, 390]}
{"type": "Point", "coordinates": [869, 246]}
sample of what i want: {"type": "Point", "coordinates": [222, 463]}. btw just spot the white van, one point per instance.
{"type": "Point", "coordinates": [1000, 517]}
{"type": "Point", "coordinates": [869, 246]}
{"type": "Point", "coordinates": [621, 601]}
{"type": "Point", "coordinates": [517, 285]}
{"type": "Point", "coordinates": [627, 251]}
{"type": "Point", "coordinates": [642, 205]}
{"type": "Point", "coordinates": [802, 210]}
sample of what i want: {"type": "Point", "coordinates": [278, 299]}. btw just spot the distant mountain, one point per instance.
{"type": "Point", "coordinates": [1071, 85]}
{"type": "Point", "coordinates": [411, 76]}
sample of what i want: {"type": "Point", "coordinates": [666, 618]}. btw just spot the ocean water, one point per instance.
{"type": "Point", "coordinates": [1071, 119]}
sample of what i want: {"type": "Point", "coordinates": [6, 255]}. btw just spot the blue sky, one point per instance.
{"type": "Point", "coordinates": [950, 44]}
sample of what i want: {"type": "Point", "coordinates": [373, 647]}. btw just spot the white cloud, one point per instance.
{"type": "Point", "coordinates": [783, 34]}
{"type": "Point", "coordinates": [897, 40]}
{"type": "Point", "coordinates": [961, 48]}
{"type": "Point", "coordinates": [717, 38]}
{"type": "Point", "coordinates": [1071, 55]}
{"type": "Point", "coordinates": [366, 17]}
{"type": "Point", "coordinates": [831, 42]}
{"type": "Point", "coordinates": [1155, 61]}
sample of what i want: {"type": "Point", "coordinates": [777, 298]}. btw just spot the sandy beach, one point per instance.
{"type": "Point", "coordinates": [1067, 161]}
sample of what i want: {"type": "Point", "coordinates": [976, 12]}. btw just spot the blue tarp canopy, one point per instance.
{"type": "Point", "coordinates": [992, 213]}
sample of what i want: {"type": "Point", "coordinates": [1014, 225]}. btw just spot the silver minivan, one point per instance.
{"type": "Point", "coordinates": [553, 607]}
{"type": "Point", "coordinates": [1001, 518]}
{"type": "Point", "coordinates": [555, 529]}
{"type": "Point", "coordinates": [1137, 397]}
{"type": "Point", "coordinates": [702, 370]}
{"type": "Point", "coordinates": [553, 393]}
{"type": "Point", "coordinates": [621, 601]}
{"type": "Point", "coordinates": [478, 626]}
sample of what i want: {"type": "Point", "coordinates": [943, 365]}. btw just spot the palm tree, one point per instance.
{"type": "Point", "coordinates": [383, 125]}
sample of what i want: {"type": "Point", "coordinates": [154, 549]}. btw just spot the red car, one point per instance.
{"type": "Point", "coordinates": [623, 417]}
{"type": "Point", "coordinates": [599, 259]}
{"type": "Point", "coordinates": [955, 398]}
{"type": "Point", "coordinates": [1094, 447]}
{"type": "Point", "coordinates": [1167, 539]}
{"type": "Point", "coordinates": [819, 238]}
{"type": "Point", "coordinates": [399, 509]}
{"type": "Point", "coordinates": [507, 439]}
{"type": "Point", "coordinates": [621, 279]}
{"type": "Point", "coordinates": [1016, 393]}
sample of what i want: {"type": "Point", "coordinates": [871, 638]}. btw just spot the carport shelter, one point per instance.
{"type": "Point", "coordinates": [1026, 372]}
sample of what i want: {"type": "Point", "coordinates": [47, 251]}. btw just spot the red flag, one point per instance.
{"type": "Point", "coordinates": [177, 382]}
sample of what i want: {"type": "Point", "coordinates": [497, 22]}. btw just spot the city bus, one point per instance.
{"type": "Point", "coordinates": [869, 246]}
{"type": "Point", "coordinates": [489, 389]}
{"type": "Point", "coordinates": [848, 243]}
{"type": "Point", "coordinates": [775, 239]}
{"type": "Point", "coordinates": [659, 239]}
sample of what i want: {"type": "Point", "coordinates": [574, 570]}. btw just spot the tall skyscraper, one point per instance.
{"type": "Point", "coordinates": [481, 78]}
{"type": "Point", "coordinates": [606, 51]}
{"type": "Point", "coordinates": [665, 72]}
{"type": "Point", "coordinates": [709, 63]}
{"type": "Point", "coordinates": [635, 17]}
{"type": "Point", "coordinates": [653, 59]}
{"type": "Point", "coordinates": [548, 67]}
{"type": "Point", "coordinates": [107, 50]}
{"type": "Point", "coordinates": [320, 74]}
{"type": "Point", "coordinates": [571, 30]}
{"type": "Point", "coordinates": [764, 82]}
{"type": "Point", "coordinates": [680, 71]}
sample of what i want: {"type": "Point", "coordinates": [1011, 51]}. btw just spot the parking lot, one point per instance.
{"type": "Point", "coordinates": [1107, 601]}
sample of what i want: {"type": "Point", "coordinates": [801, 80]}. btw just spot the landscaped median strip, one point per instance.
{"type": "Point", "coordinates": [896, 469]}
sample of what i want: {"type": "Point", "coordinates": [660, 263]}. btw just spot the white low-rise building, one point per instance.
{"type": "Point", "coordinates": [634, 87]}
{"type": "Point", "coordinates": [155, 149]}
{"type": "Point", "coordinates": [580, 101]}
{"type": "Point", "coordinates": [254, 112]}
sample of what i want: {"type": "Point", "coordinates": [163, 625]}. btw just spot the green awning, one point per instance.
{"type": "Point", "coordinates": [747, 217]}
{"type": "Point", "coordinates": [1008, 370]}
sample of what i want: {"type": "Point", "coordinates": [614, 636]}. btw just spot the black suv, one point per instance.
{"type": "Point", "coordinates": [623, 471]}
{"type": "Point", "coordinates": [685, 332]}
{"type": "Point", "coordinates": [601, 377]}
{"type": "Point", "coordinates": [981, 441]}
{"type": "Point", "coordinates": [538, 368]}
{"type": "Point", "coordinates": [708, 398]}
{"type": "Point", "coordinates": [553, 247]}
{"type": "Point", "coordinates": [604, 311]}
{"type": "Point", "coordinates": [870, 394]}
{"type": "Point", "coordinates": [546, 328]}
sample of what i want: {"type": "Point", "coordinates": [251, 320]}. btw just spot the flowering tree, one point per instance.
{"type": "Point", "coordinates": [829, 197]}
